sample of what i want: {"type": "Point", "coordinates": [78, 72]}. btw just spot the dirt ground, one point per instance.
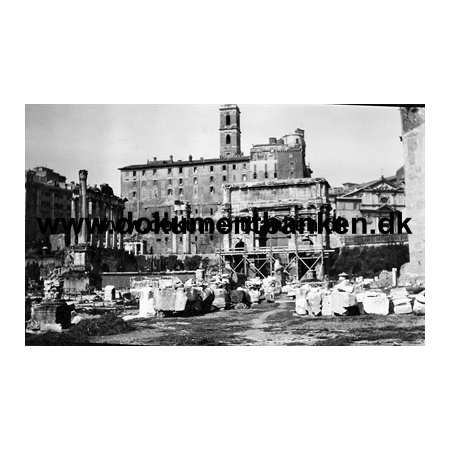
{"type": "Point", "coordinates": [272, 324]}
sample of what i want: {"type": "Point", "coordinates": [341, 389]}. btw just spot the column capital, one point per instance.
{"type": "Point", "coordinates": [83, 174]}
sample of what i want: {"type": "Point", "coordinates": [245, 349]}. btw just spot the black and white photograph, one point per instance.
{"type": "Point", "coordinates": [188, 225]}
{"type": "Point", "coordinates": [230, 225]}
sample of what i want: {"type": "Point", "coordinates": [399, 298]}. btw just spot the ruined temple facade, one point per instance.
{"type": "Point", "coordinates": [194, 187]}
{"type": "Point", "coordinates": [49, 196]}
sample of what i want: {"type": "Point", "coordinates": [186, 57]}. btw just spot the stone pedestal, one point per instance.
{"type": "Point", "coordinates": [53, 316]}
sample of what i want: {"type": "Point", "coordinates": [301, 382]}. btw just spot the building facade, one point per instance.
{"type": "Point", "coordinates": [47, 195]}
{"type": "Point", "coordinates": [166, 188]}
{"type": "Point", "coordinates": [372, 201]}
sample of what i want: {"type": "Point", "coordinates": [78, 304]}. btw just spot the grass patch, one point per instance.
{"type": "Point", "coordinates": [80, 333]}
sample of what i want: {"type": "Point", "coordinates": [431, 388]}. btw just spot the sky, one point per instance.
{"type": "Point", "coordinates": [343, 143]}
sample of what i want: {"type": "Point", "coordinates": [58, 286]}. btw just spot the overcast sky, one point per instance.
{"type": "Point", "coordinates": [344, 143]}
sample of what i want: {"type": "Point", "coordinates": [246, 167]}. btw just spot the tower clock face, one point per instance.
{"type": "Point", "coordinates": [291, 155]}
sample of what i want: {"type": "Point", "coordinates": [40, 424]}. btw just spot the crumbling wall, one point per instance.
{"type": "Point", "coordinates": [413, 123]}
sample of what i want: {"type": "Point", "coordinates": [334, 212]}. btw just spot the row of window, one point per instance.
{"type": "Point", "coordinates": [211, 188]}
{"type": "Point", "coordinates": [180, 170]}
{"type": "Point", "coordinates": [212, 180]}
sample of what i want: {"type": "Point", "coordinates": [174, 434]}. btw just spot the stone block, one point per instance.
{"type": "Point", "coordinates": [404, 308]}
{"type": "Point", "coordinates": [110, 293]}
{"type": "Point", "coordinates": [146, 303]}
{"type": "Point", "coordinates": [314, 303]}
{"type": "Point", "coordinates": [326, 305]}
{"type": "Point", "coordinates": [340, 301]}
{"type": "Point", "coordinates": [301, 305]}
{"type": "Point", "coordinates": [374, 303]}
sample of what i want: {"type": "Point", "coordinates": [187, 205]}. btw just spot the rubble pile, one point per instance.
{"type": "Point", "coordinates": [353, 298]}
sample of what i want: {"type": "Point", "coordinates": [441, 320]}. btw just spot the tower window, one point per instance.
{"type": "Point", "coordinates": [180, 170]}
{"type": "Point", "coordinates": [211, 211]}
{"type": "Point", "coordinates": [180, 181]}
{"type": "Point", "coordinates": [169, 171]}
{"type": "Point", "coordinates": [180, 191]}
{"type": "Point", "coordinates": [154, 172]}
{"type": "Point", "coordinates": [224, 178]}
{"type": "Point", "coordinates": [244, 177]}
{"type": "Point", "coordinates": [227, 119]}
{"type": "Point", "coordinates": [143, 172]}
{"type": "Point", "coordinates": [195, 180]}
{"type": "Point", "coordinates": [211, 179]}
{"type": "Point", "coordinates": [134, 173]}
{"type": "Point", "coordinates": [234, 166]}
{"type": "Point", "coordinates": [169, 191]}
{"type": "Point", "coordinates": [211, 168]}
{"type": "Point", "coordinates": [211, 190]}
{"type": "Point", "coordinates": [170, 182]}
{"type": "Point", "coordinates": [228, 139]}
{"type": "Point", "coordinates": [224, 167]}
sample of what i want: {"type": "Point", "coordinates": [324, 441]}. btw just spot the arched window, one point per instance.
{"type": "Point", "coordinates": [228, 139]}
{"type": "Point", "coordinates": [227, 119]}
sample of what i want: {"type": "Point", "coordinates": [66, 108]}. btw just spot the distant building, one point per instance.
{"type": "Point", "coordinates": [195, 186]}
{"type": "Point", "coordinates": [47, 195]}
{"type": "Point", "coordinates": [372, 201]}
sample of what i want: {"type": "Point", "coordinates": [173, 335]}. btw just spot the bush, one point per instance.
{"type": "Point", "coordinates": [368, 261]}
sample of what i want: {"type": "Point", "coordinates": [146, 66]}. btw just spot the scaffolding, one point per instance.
{"type": "Point", "coordinates": [308, 256]}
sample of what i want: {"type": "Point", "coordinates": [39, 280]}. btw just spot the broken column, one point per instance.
{"type": "Point", "coordinates": [73, 215]}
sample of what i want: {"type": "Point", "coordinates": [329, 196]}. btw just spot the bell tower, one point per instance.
{"type": "Point", "coordinates": [230, 131]}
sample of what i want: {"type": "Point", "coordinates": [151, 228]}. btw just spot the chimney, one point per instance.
{"type": "Point", "coordinates": [272, 141]}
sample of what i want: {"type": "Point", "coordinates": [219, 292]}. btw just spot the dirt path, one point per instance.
{"type": "Point", "coordinates": [258, 327]}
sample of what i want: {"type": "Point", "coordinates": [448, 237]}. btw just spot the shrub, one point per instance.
{"type": "Point", "coordinates": [368, 261]}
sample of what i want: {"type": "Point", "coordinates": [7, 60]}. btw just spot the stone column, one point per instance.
{"type": "Point", "coordinates": [91, 237]}
{"type": "Point", "coordinates": [107, 235]}
{"type": "Point", "coordinates": [73, 215]}
{"type": "Point", "coordinates": [226, 212]}
{"type": "Point", "coordinates": [186, 237]}
{"type": "Point", "coordinates": [120, 215]}
{"type": "Point", "coordinates": [82, 238]}
{"type": "Point", "coordinates": [114, 233]}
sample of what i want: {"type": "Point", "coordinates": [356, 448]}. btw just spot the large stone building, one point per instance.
{"type": "Point", "coordinates": [169, 187]}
